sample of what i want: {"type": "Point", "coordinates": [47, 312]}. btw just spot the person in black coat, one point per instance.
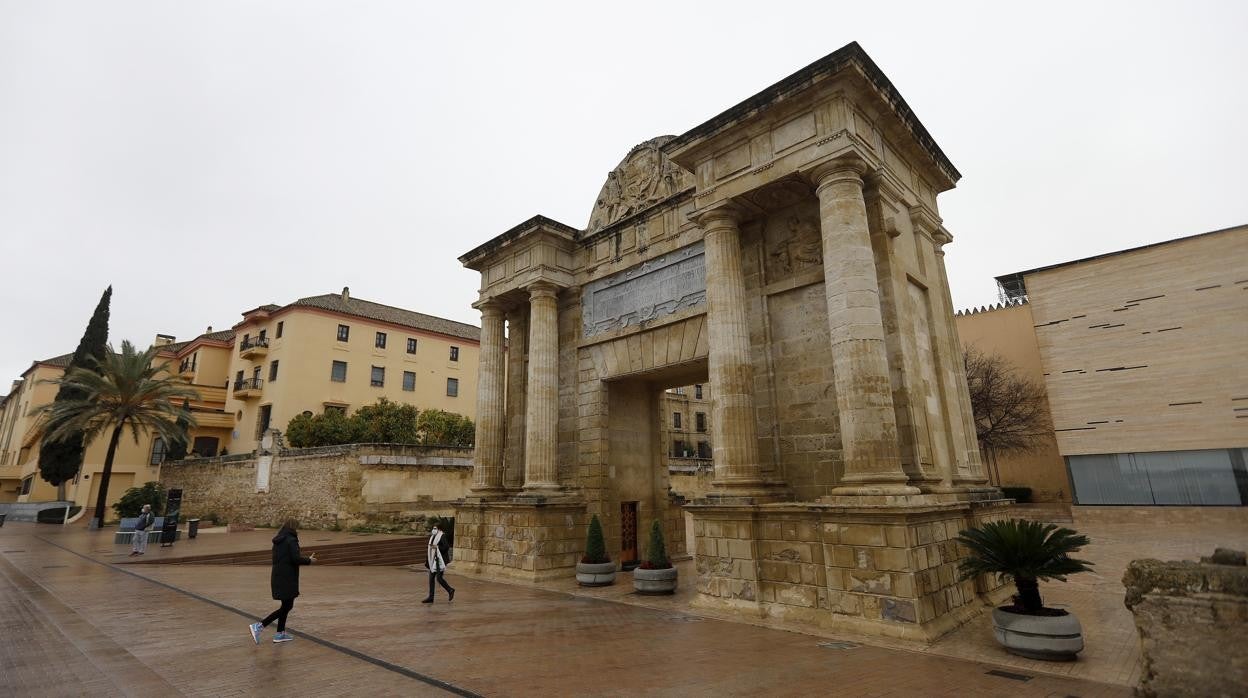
{"type": "Point", "coordinates": [284, 580]}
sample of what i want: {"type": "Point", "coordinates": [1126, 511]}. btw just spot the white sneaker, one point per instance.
{"type": "Point", "coordinates": [256, 629]}
{"type": "Point", "coordinates": [283, 637]}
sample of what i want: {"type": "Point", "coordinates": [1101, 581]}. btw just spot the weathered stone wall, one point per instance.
{"type": "Point", "coordinates": [1192, 618]}
{"type": "Point", "coordinates": [383, 485]}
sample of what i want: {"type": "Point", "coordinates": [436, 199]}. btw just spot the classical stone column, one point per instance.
{"type": "Point", "coordinates": [541, 470]}
{"type": "Point", "coordinates": [859, 357]}
{"type": "Point", "coordinates": [487, 474]}
{"type": "Point", "coordinates": [734, 440]}
{"type": "Point", "coordinates": [517, 379]}
{"type": "Point", "coordinates": [970, 465]}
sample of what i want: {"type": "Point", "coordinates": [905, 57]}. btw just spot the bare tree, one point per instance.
{"type": "Point", "coordinates": [1011, 411]}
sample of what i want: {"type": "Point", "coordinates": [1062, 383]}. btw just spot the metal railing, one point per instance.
{"type": "Point", "coordinates": [253, 342]}
{"type": "Point", "coordinates": [248, 384]}
{"type": "Point", "coordinates": [186, 365]}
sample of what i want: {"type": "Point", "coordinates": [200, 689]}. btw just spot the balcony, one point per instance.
{"type": "Point", "coordinates": [253, 346]}
{"type": "Point", "coordinates": [248, 387]}
{"type": "Point", "coordinates": [186, 369]}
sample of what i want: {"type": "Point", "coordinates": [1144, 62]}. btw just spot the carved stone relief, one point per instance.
{"type": "Point", "coordinates": [657, 287]}
{"type": "Point", "coordinates": [645, 177]}
{"type": "Point", "coordinates": [793, 243]}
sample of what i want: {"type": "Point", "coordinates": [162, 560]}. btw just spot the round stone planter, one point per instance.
{"type": "Point", "coordinates": [1054, 638]}
{"type": "Point", "coordinates": [595, 575]}
{"type": "Point", "coordinates": [655, 581]}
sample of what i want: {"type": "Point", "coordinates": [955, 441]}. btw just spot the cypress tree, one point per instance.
{"type": "Point", "coordinates": [59, 461]}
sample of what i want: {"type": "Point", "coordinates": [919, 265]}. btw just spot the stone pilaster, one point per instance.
{"type": "Point", "coordinates": [733, 432]}
{"type": "Point", "coordinates": [541, 471]}
{"type": "Point", "coordinates": [860, 359]}
{"type": "Point", "coordinates": [487, 475]}
{"type": "Point", "coordinates": [517, 380]}
{"type": "Point", "coordinates": [970, 465]}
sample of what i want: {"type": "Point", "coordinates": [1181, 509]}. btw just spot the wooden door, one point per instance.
{"type": "Point", "coordinates": [628, 532]}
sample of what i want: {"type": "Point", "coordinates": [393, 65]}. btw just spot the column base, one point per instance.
{"type": "Point", "coordinates": [520, 539]}
{"type": "Point", "coordinates": [876, 489]}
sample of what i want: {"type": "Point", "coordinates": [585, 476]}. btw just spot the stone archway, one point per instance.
{"type": "Point", "coordinates": [789, 250]}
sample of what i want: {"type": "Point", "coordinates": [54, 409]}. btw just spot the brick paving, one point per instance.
{"type": "Point", "coordinates": [74, 623]}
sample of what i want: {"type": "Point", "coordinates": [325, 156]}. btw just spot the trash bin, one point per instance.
{"type": "Point", "coordinates": [192, 528]}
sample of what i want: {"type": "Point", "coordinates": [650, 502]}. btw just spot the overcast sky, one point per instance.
{"type": "Point", "coordinates": [205, 158]}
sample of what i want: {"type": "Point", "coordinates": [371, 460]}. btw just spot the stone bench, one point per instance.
{"type": "Point", "coordinates": [125, 532]}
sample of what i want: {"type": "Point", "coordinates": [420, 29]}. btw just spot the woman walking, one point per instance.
{"type": "Point", "coordinates": [436, 562]}
{"type": "Point", "coordinates": [284, 580]}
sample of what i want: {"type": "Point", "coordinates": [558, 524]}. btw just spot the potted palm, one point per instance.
{"type": "Point", "coordinates": [656, 575]}
{"type": "Point", "coordinates": [595, 569]}
{"type": "Point", "coordinates": [1027, 552]}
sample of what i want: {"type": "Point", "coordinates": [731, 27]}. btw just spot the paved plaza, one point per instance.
{"type": "Point", "coordinates": [74, 621]}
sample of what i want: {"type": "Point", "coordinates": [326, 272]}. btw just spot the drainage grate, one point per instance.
{"type": "Point", "coordinates": [684, 619]}
{"type": "Point", "coordinates": [15, 551]}
{"type": "Point", "coordinates": [1009, 675]}
{"type": "Point", "coordinates": [52, 567]}
{"type": "Point", "coordinates": [838, 645]}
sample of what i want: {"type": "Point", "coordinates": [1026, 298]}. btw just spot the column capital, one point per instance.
{"type": "Point", "coordinates": [542, 289]}
{"type": "Point", "coordinates": [489, 307]}
{"type": "Point", "coordinates": [724, 216]}
{"type": "Point", "coordinates": [845, 169]}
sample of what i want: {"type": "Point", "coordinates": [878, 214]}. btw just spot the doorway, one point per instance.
{"type": "Point", "coordinates": [628, 535]}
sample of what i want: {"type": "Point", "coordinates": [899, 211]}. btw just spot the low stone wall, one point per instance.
{"type": "Point", "coordinates": [379, 485]}
{"type": "Point", "coordinates": [1192, 618]}
{"type": "Point", "coordinates": [26, 511]}
{"type": "Point", "coordinates": [1155, 515]}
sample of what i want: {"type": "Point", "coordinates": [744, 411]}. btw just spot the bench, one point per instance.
{"type": "Point", "coordinates": [125, 532]}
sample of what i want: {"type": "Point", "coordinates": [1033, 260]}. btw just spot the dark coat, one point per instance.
{"type": "Point", "coordinates": [286, 562]}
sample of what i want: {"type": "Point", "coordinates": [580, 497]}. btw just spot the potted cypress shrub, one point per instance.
{"type": "Point", "coordinates": [595, 569]}
{"type": "Point", "coordinates": [656, 575]}
{"type": "Point", "coordinates": [1028, 551]}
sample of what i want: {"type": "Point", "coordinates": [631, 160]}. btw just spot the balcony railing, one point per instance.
{"type": "Point", "coordinates": [187, 366]}
{"type": "Point", "coordinates": [253, 343]}
{"type": "Point", "coordinates": [248, 384]}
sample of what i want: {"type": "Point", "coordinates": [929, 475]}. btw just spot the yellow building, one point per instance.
{"type": "Point", "coordinates": [685, 423]}
{"type": "Point", "coordinates": [1144, 355]}
{"type": "Point", "coordinates": [317, 353]}
{"type": "Point", "coordinates": [338, 352]}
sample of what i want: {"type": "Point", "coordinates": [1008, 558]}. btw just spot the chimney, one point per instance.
{"type": "Point", "coordinates": [163, 339]}
{"type": "Point", "coordinates": [209, 330]}
{"type": "Point", "coordinates": [346, 293]}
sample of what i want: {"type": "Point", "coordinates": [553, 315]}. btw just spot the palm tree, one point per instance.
{"type": "Point", "coordinates": [128, 391]}
{"type": "Point", "coordinates": [1026, 551]}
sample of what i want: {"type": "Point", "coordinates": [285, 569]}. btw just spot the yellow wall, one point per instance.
{"type": "Point", "coordinates": [1008, 333]}
{"type": "Point", "coordinates": [309, 346]}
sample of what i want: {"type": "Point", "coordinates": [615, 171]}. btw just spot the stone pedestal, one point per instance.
{"type": "Point", "coordinates": [881, 569]}
{"type": "Point", "coordinates": [528, 539]}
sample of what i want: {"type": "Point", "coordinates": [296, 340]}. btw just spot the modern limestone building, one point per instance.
{"type": "Point", "coordinates": [1144, 354]}
{"type": "Point", "coordinates": [337, 352]}
{"type": "Point", "coordinates": [788, 252]}
{"type": "Point", "coordinates": [321, 352]}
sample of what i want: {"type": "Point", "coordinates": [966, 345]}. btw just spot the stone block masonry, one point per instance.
{"type": "Point", "coordinates": [889, 571]}
{"type": "Point", "coordinates": [382, 485]}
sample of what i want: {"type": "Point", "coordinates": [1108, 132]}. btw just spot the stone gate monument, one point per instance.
{"type": "Point", "coordinates": [789, 252]}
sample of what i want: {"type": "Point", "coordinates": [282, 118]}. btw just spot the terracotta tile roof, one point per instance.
{"type": "Point", "coordinates": [61, 361]}
{"type": "Point", "coordinates": [388, 313]}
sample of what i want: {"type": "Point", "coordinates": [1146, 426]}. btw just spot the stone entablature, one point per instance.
{"type": "Point", "coordinates": [789, 254]}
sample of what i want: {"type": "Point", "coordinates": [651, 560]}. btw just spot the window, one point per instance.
{"type": "Point", "coordinates": [26, 484]}
{"type": "Point", "coordinates": [380, 342]}
{"type": "Point", "coordinates": [255, 376]}
{"type": "Point", "coordinates": [675, 420]}
{"type": "Point", "coordinates": [238, 379]}
{"type": "Point", "coordinates": [378, 377]}
{"type": "Point", "coordinates": [678, 449]}
{"type": "Point", "coordinates": [409, 380]}
{"type": "Point", "coordinates": [699, 421]}
{"type": "Point", "coordinates": [263, 333]}
{"type": "Point", "coordinates": [452, 387]}
{"type": "Point", "coordinates": [344, 333]}
{"type": "Point", "coordinates": [205, 446]}
{"type": "Point", "coordinates": [411, 345]}
{"type": "Point", "coordinates": [335, 409]}
{"type": "Point", "coordinates": [697, 391]}
{"type": "Point", "coordinates": [158, 451]}
{"type": "Point", "coordinates": [280, 326]}
{"type": "Point", "coordinates": [246, 339]}
{"type": "Point", "coordinates": [273, 370]}
{"type": "Point", "coordinates": [454, 353]}
{"type": "Point", "coordinates": [338, 372]}
{"type": "Point", "coordinates": [704, 449]}
{"type": "Point", "coordinates": [1187, 478]}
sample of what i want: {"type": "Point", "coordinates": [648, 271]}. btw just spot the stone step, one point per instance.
{"type": "Point", "coordinates": [382, 553]}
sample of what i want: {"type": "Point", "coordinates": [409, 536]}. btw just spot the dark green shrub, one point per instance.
{"type": "Point", "coordinates": [656, 551]}
{"type": "Point", "coordinates": [595, 546]}
{"type": "Point", "coordinates": [131, 503]}
{"type": "Point", "coordinates": [1022, 495]}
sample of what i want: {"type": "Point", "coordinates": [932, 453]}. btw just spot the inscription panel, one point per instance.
{"type": "Point", "coordinates": [657, 287]}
